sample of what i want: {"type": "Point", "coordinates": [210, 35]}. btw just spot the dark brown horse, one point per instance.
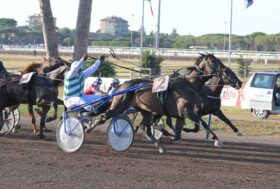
{"type": "Point", "coordinates": [211, 99]}
{"type": "Point", "coordinates": [182, 98]}
{"type": "Point", "coordinates": [42, 89]}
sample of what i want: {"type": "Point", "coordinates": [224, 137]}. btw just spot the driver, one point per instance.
{"type": "Point", "coordinates": [114, 85]}
{"type": "Point", "coordinates": [95, 88]}
{"type": "Point", "coordinates": [74, 83]}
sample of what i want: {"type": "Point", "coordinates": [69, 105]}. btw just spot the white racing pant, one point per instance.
{"type": "Point", "coordinates": [72, 102]}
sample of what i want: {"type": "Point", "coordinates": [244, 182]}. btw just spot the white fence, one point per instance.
{"type": "Point", "coordinates": [165, 52]}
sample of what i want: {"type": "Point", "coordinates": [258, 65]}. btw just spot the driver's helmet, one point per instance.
{"type": "Point", "coordinates": [115, 80]}
{"type": "Point", "coordinates": [98, 81]}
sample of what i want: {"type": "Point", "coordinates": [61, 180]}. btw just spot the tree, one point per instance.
{"type": "Point", "coordinates": [7, 29]}
{"type": "Point", "coordinates": [150, 60]}
{"type": "Point", "coordinates": [243, 67]}
{"type": "Point", "coordinates": [174, 33]}
{"type": "Point", "coordinates": [48, 27]}
{"type": "Point", "coordinates": [105, 70]}
{"type": "Point", "coordinates": [68, 41]}
{"type": "Point", "coordinates": [82, 29]}
{"type": "Point", "coordinates": [7, 23]}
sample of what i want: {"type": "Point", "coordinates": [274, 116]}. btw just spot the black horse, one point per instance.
{"type": "Point", "coordinates": [41, 90]}
{"type": "Point", "coordinates": [42, 68]}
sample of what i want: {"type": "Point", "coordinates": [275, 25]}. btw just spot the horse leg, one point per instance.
{"type": "Point", "coordinates": [197, 119]}
{"type": "Point", "coordinates": [147, 122]}
{"type": "Point", "coordinates": [45, 109]}
{"type": "Point", "coordinates": [222, 117]}
{"type": "Point", "coordinates": [55, 106]}
{"type": "Point", "coordinates": [194, 130]}
{"type": "Point", "coordinates": [1, 119]}
{"type": "Point", "coordinates": [157, 126]}
{"type": "Point", "coordinates": [179, 126]}
{"type": "Point", "coordinates": [170, 125]}
{"type": "Point", "coordinates": [33, 120]}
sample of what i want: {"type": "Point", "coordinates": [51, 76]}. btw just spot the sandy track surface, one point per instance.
{"type": "Point", "coordinates": [247, 162]}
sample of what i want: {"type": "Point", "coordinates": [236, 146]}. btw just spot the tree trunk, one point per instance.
{"type": "Point", "coordinates": [48, 26]}
{"type": "Point", "coordinates": [82, 29]}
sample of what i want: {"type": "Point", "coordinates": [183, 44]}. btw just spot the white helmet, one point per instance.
{"type": "Point", "coordinates": [98, 81]}
{"type": "Point", "coordinates": [115, 80]}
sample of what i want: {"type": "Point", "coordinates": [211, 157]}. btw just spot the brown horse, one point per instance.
{"type": "Point", "coordinates": [41, 90]}
{"type": "Point", "coordinates": [182, 98]}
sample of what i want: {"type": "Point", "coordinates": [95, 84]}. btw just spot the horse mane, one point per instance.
{"type": "Point", "coordinates": [204, 56]}
{"type": "Point", "coordinates": [133, 82]}
{"type": "Point", "coordinates": [46, 66]}
{"type": "Point", "coordinates": [33, 67]}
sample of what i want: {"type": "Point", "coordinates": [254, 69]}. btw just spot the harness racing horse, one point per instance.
{"type": "Point", "coordinates": [41, 90]}
{"type": "Point", "coordinates": [182, 99]}
{"type": "Point", "coordinates": [43, 68]}
{"type": "Point", "coordinates": [211, 99]}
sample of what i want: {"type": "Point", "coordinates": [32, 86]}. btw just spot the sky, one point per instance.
{"type": "Point", "coordinates": [195, 17]}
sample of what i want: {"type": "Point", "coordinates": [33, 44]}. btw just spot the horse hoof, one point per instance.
{"type": "Point", "coordinates": [49, 119]}
{"type": "Point", "coordinates": [42, 136]}
{"type": "Point", "coordinates": [14, 130]}
{"type": "Point", "coordinates": [176, 138]}
{"type": "Point", "coordinates": [147, 137]}
{"type": "Point", "coordinates": [157, 145]}
{"type": "Point", "coordinates": [47, 130]}
{"type": "Point", "coordinates": [17, 126]}
{"type": "Point", "coordinates": [238, 133]}
{"type": "Point", "coordinates": [218, 144]}
{"type": "Point", "coordinates": [161, 150]}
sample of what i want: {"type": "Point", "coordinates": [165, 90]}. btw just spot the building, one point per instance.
{"type": "Point", "coordinates": [34, 21]}
{"type": "Point", "coordinates": [114, 25]}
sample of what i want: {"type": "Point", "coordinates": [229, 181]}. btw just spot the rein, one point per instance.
{"type": "Point", "coordinates": [8, 82]}
{"type": "Point", "coordinates": [110, 63]}
{"type": "Point", "coordinates": [42, 75]}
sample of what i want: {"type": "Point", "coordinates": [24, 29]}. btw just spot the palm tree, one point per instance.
{"type": "Point", "coordinates": [48, 26]}
{"type": "Point", "coordinates": [82, 29]}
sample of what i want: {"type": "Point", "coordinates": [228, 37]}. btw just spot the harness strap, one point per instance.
{"type": "Point", "coordinates": [213, 97]}
{"type": "Point", "coordinates": [8, 82]}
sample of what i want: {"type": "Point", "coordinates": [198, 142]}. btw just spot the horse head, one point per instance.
{"type": "Point", "coordinates": [209, 64]}
{"type": "Point", "coordinates": [230, 78]}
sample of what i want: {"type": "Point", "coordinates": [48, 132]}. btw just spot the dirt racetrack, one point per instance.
{"type": "Point", "coordinates": [27, 162]}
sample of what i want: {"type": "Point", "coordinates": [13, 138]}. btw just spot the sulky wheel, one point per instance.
{"type": "Point", "coordinates": [9, 122]}
{"type": "Point", "coordinates": [16, 116]}
{"type": "Point", "coordinates": [70, 134]}
{"type": "Point", "coordinates": [120, 133]}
